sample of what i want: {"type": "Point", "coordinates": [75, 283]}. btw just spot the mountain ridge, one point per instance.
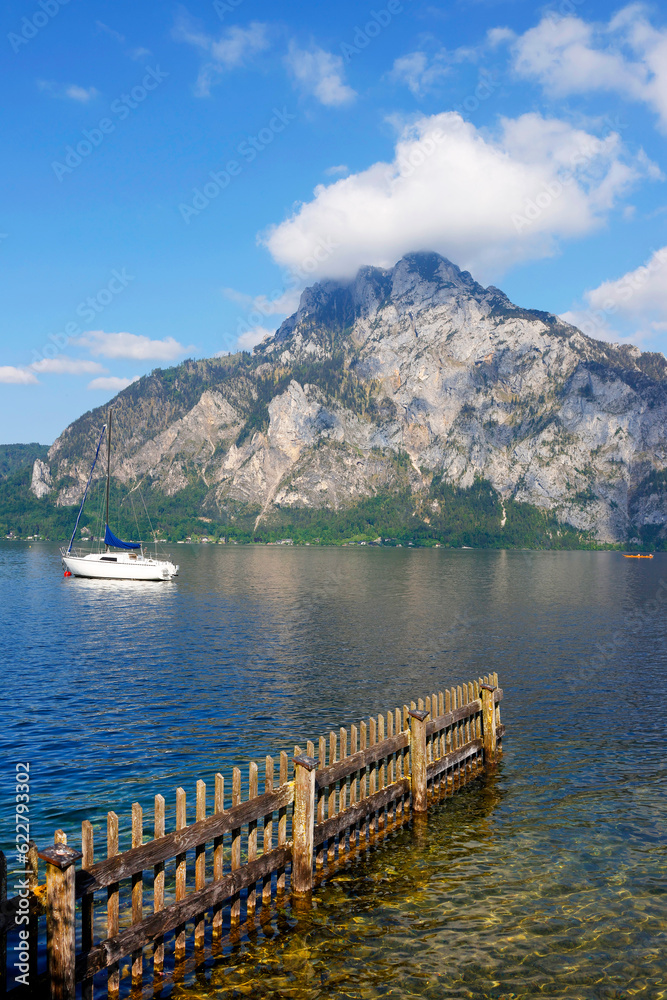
{"type": "Point", "coordinates": [419, 361]}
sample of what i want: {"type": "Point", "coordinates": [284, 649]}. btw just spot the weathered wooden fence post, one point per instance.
{"type": "Point", "coordinates": [418, 758]}
{"type": "Point", "coordinates": [488, 722]}
{"type": "Point", "coordinates": [61, 916]}
{"type": "Point", "coordinates": [303, 824]}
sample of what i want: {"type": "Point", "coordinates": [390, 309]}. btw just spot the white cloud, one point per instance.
{"type": "Point", "coordinates": [282, 304]}
{"type": "Point", "coordinates": [418, 72]}
{"type": "Point", "coordinates": [71, 90]}
{"type": "Point", "coordinates": [10, 375]}
{"type": "Point", "coordinates": [112, 383]}
{"type": "Point", "coordinates": [483, 200]}
{"type": "Point", "coordinates": [240, 298]}
{"type": "Point", "coordinates": [499, 36]}
{"type": "Point", "coordinates": [116, 35]}
{"type": "Point", "coordinates": [319, 74]}
{"type": "Point", "coordinates": [569, 56]}
{"type": "Point", "coordinates": [279, 303]}
{"type": "Point", "coordinates": [66, 366]}
{"type": "Point", "coordinates": [339, 168]}
{"type": "Point", "coordinates": [233, 49]}
{"type": "Point", "coordinates": [633, 307]}
{"type": "Point", "coordinates": [82, 94]}
{"type": "Point", "coordinates": [257, 309]}
{"type": "Point", "coordinates": [251, 338]}
{"type": "Point", "coordinates": [139, 53]}
{"type": "Point", "coordinates": [132, 345]}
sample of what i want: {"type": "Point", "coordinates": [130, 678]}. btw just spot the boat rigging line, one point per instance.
{"type": "Point", "coordinates": [85, 492]}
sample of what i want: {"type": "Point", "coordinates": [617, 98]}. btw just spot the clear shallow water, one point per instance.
{"type": "Point", "coordinates": [546, 879]}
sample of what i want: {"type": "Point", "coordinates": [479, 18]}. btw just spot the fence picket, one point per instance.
{"type": "Point", "coordinates": [32, 875]}
{"type": "Point", "coordinates": [331, 806]}
{"type": "Point", "coordinates": [200, 862]}
{"type": "Point", "coordinates": [381, 770]}
{"type": "Point", "coordinates": [400, 756]}
{"type": "Point", "coordinates": [251, 901]}
{"type": "Point", "coordinates": [391, 768]}
{"type": "Point", "coordinates": [137, 892]}
{"type": "Point", "coordinates": [282, 823]}
{"type": "Point", "coordinates": [466, 728]}
{"type": "Point", "coordinates": [113, 974]}
{"type": "Point", "coordinates": [353, 786]}
{"type": "Point", "coordinates": [342, 794]}
{"type": "Point", "coordinates": [158, 884]}
{"type": "Point", "coordinates": [181, 873]}
{"type": "Point", "coordinates": [372, 774]}
{"type": "Point", "coordinates": [235, 912]}
{"type": "Point", "coordinates": [218, 853]}
{"type": "Point", "coordinates": [322, 761]}
{"type": "Point", "coordinates": [363, 779]}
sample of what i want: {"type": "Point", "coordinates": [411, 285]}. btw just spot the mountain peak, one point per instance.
{"type": "Point", "coordinates": [415, 280]}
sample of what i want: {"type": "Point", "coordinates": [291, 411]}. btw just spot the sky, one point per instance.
{"type": "Point", "coordinates": [175, 174]}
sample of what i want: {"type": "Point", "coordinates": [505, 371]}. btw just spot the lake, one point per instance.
{"type": "Point", "coordinates": [544, 879]}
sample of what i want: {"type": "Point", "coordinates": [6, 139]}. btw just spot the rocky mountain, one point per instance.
{"type": "Point", "coordinates": [406, 382]}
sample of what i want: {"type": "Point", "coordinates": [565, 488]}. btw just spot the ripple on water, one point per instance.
{"type": "Point", "coordinates": [546, 879]}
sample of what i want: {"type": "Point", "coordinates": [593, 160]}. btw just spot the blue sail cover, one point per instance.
{"type": "Point", "coordinates": [110, 539]}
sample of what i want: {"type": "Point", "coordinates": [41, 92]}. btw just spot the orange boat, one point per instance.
{"type": "Point", "coordinates": [637, 555]}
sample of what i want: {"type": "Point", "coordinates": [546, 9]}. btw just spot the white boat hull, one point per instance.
{"type": "Point", "coordinates": [122, 566]}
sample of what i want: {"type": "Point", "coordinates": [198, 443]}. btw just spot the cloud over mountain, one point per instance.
{"type": "Point", "coordinates": [487, 200]}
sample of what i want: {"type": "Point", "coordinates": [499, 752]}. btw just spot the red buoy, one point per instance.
{"type": "Point", "coordinates": [67, 573]}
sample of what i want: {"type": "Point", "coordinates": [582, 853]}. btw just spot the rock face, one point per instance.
{"type": "Point", "coordinates": [41, 483]}
{"type": "Point", "coordinates": [383, 382]}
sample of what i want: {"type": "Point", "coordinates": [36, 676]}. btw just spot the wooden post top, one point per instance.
{"type": "Point", "coordinates": [303, 760]}
{"type": "Point", "coordinates": [60, 855]}
{"type": "Point", "coordinates": [488, 687]}
{"type": "Point", "coordinates": [418, 713]}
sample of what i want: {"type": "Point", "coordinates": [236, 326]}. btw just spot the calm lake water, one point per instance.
{"type": "Point", "coordinates": [546, 879]}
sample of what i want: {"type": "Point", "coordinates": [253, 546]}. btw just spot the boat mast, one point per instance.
{"type": "Point", "coordinates": [106, 547]}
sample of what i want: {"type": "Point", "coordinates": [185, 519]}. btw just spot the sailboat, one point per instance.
{"type": "Point", "coordinates": [127, 560]}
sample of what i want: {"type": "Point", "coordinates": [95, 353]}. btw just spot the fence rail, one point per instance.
{"type": "Point", "coordinates": [343, 793]}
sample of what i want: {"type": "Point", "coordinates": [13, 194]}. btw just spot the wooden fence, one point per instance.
{"type": "Point", "coordinates": [112, 927]}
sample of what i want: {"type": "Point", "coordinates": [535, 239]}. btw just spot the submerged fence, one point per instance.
{"type": "Point", "coordinates": [109, 927]}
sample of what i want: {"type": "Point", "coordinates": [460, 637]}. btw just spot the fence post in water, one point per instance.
{"type": "Point", "coordinates": [61, 909]}
{"type": "Point", "coordinates": [303, 824]}
{"type": "Point", "coordinates": [418, 758]}
{"type": "Point", "coordinates": [488, 722]}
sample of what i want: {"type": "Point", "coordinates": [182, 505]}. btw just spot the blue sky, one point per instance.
{"type": "Point", "coordinates": [174, 174]}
